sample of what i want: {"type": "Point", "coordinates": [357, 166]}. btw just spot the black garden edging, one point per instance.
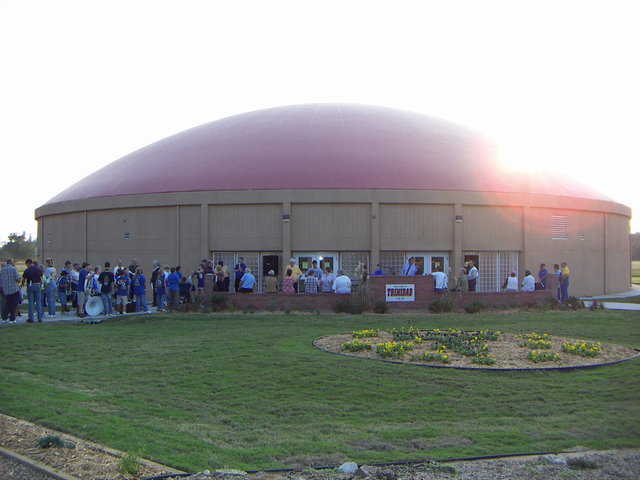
{"type": "Point", "coordinates": [483, 369]}
{"type": "Point", "coordinates": [383, 464]}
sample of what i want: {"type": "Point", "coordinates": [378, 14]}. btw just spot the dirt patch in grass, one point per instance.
{"type": "Point", "coordinates": [86, 460]}
{"type": "Point", "coordinates": [506, 350]}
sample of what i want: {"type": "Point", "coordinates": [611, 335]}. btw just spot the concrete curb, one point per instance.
{"type": "Point", "coordinates": [36, 465]}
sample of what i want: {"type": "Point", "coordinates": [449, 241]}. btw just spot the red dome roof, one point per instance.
{"type": "Point", "coordinates": [323, 146]}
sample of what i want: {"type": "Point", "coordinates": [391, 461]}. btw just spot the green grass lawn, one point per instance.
{"type": "Point", "coordinates": [250, 391]}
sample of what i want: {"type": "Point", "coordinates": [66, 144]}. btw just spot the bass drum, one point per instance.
{"type": "Point", "coordinates": [94, 306]}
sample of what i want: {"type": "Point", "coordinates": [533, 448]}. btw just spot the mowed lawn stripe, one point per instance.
{"type": "Point", "coordinates": [250, 391]}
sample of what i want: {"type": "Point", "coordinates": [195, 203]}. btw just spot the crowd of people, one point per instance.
{"type": "Point", "coordinates": [469, 275]}
{"type": "Point", "coordinates": [124, 288]}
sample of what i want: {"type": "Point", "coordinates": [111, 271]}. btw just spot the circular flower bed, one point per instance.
{"type": "Point", "coordinates": [474, 348]}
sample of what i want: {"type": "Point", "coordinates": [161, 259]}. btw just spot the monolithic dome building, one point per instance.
{"type": "Point", "coordinates": [341, 184]}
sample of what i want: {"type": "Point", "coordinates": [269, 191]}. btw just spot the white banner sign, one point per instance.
{"type": "Point", "coordinates": [404, 292]}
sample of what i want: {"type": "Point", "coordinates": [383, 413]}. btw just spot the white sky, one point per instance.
{"type": "Point", "coordinates": [555, 84]}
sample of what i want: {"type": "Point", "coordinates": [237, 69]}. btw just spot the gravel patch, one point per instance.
{"type": "Point", "coordinates": [13, 470]}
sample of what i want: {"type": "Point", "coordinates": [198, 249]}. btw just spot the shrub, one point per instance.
{"type": "Point", "coordinates": [349, 305]}
{"type": "Point", "coordinates": [475, 307]}
{"type": "Point", "coordinates": [49, 441]}
{"type": "Point", "coordinates": [216, 302]}
{"type": "Point", "coordinates": [366, 333]}
{"type": "Point", "coordinates": [433, 357]}
{"type": "Point", "coordinates": [355, 346]}
{"type": "Point", "coordinates": [271, 307]}
{"type": "Point", "coordinates": [581, 463]}
{"type": "Point", "coordinates": [584, 349]}
{"type": "Point", "coordinates": [130, 464]}
{"type": "Point", "coordinates": [483, 358]}
{"type": "Point", "coordinates": [574, 303]}
{"type": "Point", "coordinates": [441, 305]}
{"type": "Point", "coordinates": [536, 341]}
{"type": "Point", "coordinates": [537, 357]}
{"type": "Point", "coordinates": [380, 307]}
{"type": "Point", "coordinates": [393, 349]}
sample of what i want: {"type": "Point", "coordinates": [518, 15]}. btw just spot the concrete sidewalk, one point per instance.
{"type": "Point", "coordinates": [634, 292]}
{"type": "Point", "coordinates": [71, 317]}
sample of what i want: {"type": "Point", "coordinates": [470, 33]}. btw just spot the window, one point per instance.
{"type": "Point", "coordinates": [493, 268]}
{"type": "Point", "coordinates": [559, 227]}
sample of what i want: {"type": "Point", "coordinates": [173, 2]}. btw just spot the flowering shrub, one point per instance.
{"type": "Point", "coordinates": [536, 341]}
{"type": "Point", "coordinates": [393, 349]}
{"type": "Point", "coordinates": [433, 357]}
{"type": "Point", "coordinates": [405, 333]}
{"type": "Point", "coordinates": [586, 349]}
{"type": "Point", "coordinates": [355, 346]}
{"type": "Point", "coordinates": [366, 333]}
{"type": "Point", "coordinates": [483, 358]}
{"type": "Point", "coordinates": [537, 357]}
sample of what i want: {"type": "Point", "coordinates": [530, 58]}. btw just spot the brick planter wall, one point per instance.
{"type": "Point", "coordinates": [425, 294]}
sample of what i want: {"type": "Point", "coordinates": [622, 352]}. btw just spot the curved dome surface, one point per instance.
{"type": "Point", "coordinates": [317, 146]}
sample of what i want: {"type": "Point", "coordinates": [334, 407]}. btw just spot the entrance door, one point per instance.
{"type": "Point", "coordinates": [325, 260]}
{"type": "Point", "coordinates": [428, 262]}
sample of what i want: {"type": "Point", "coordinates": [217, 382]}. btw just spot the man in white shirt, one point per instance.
{"type": "Point", "coordinates": [511, 283]}
{"type": "Point", "coordinates": [441, 280]}
{"type": "Point", "coordinates": [342, 283]}
{"type": "Point", "coordinates": [473, 276]}
{"type": "Point", "coordinates": [528, 282]}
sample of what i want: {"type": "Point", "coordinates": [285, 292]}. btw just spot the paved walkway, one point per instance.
{"type": "Point", "coordinates": [635, 291]}
{"type": "Point", "coordinates": [72, 317]}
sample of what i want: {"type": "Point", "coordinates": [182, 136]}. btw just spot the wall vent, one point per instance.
{"type": "Point", "coordinates": [559, 227]}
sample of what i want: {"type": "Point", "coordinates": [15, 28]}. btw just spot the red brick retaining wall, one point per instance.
{"type": "Point", "coordinates": [425, 294]}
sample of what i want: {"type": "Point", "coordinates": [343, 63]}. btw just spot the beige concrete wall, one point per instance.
{"type": "Point", "coordinates": [492, 228]}
{"type": "Point", "coordinates": [330, 227]}
{"type": "Point", "coordinates": [618, 267]}
{"type": "Point", "coordinates": [152, 236]}
{"type": "Point", "coordinates": [584, 256]}
{"type": "Point", "coordinates": [245, 228]}
{"type": "Point", "coordinates": [416, 227]}
{"type": "Point", "coordinates": [64, 237]}
{"type": "Point", "coordinates": [190, 237]}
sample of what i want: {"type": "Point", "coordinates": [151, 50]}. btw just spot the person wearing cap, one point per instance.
{"type": "Point", "coordinates": [528, 282]}
{"type": "Point", "coordinates": [271, 282]}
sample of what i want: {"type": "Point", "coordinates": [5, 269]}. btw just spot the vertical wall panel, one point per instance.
{"type": "Point", "coordinates": [416, 227]}
{"type": "Point", "coordinates": [492, 228]}
{"type": "Point", "coordinates": [245, 227]}
{"type": "Point", "coordinates": [325, 227]}
{"type": "Point", "coordinates": [190, 237]}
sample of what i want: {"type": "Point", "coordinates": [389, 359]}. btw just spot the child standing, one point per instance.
{"type": "Point", "coordinates": [122, 290]}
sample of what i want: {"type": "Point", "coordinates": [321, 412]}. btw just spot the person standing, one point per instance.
{"type": "Point", "coordinates": [565, 274]}
{"type": "Point", "coordinates": [462, 282]}
{"type": "Point", "coordinates": [32, 277]}
{"type": "Point", "coordinates": [9, 284]}
{"type": "Point", "coordinates": [271, 282]}
{"type": "Point", "coordinates": [378, 272]}
{"type": "Point", "coordinates": [139, 290]}
{"type": "Point", "coordinates": [311, 283]}
{"type": "Point", "coordinates": [122, 284]}
{"type": "Point", "coordinates": [82, 289]}
{"type": "Point", "coordinates": [247, 282]}
{"type": "Point", "coordinates": [314, 268]}
{"type": "Point", "coordinates": [473, 276]}
{"type": "Point", "coordinates": [295, 273]}
{"type": "Point", "coordinates": [441, 280]}
{"type": "Point", "coordinates": [154, 281]}
{"type": "Point", "coordinates": [74, 279]}
{"type": "Point", "coordinates": [410, 268]}
{"type": "Point", "coordinates": [106, 280]}
{"type": "Point", "coordinates": [63, 290]}
{"type": "Point", "coordinates": [239, 269]}
{"type": "Point", "coordinates": [511, 283]}
{"type": "Point", "coordinates": [287, 283]}
{"type": "Point", "coordinates": [528, 282]}
{"type": "Point", "coordinates": [543, 273]}
{"type": "Point", "coordinates": [173, 288]}
{"type": "Point", "coordinates": [50, 287]}
{"type": "Point", "coordinates": [327, 280]}
{"type": "Point", "coordinates": [342, 284]}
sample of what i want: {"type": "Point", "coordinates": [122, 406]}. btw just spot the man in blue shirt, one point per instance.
{"type": "Point", "coordinates": [32, 276]}
{"type": "Point", "coordinates": [247, 282]}
{"type": "Point", "coordinates": [542, 276]}
{"type": "Point", "coordinates": [173, 288]}
{"type": "Point", "coordinates": [240, 269]}
{"type": "Point", "coordinates": [379, 272]}
{"type": "Point", "coordinates": [123, 283]}
{"type": "Point", "coordinates": [410, 269]}
{"type": "Point", "coordinates": [82, 298]}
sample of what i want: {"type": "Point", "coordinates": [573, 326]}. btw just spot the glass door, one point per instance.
{"type": "Point", "coordinates": [323, 260]}
{"type": "Point", "coordinates": [427, 263]}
